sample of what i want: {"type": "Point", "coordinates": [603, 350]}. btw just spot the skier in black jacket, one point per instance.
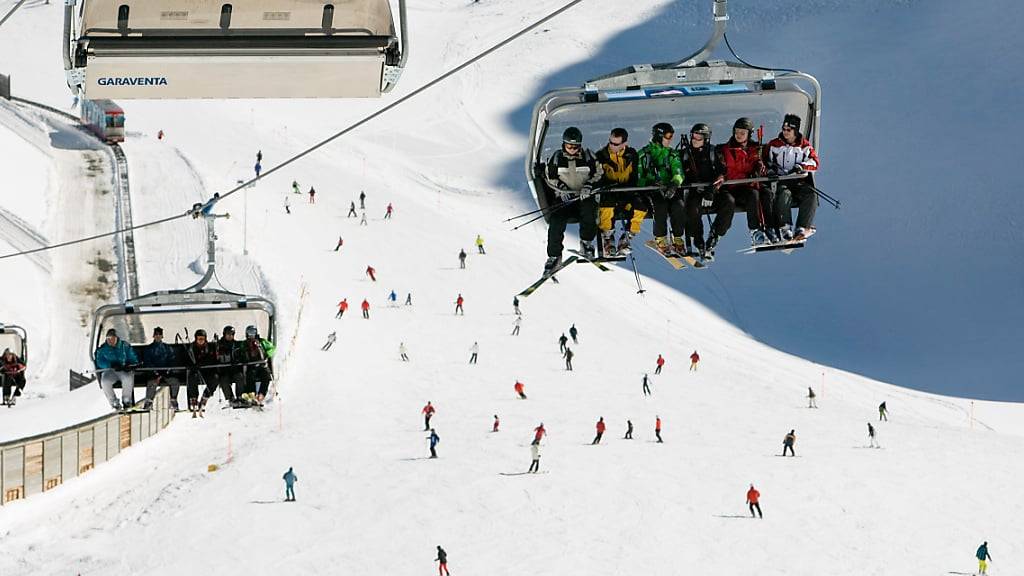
{"type": "Point", "coordinates": [700, 165]}
{"type": "Point", "coordinates": [571, 173]}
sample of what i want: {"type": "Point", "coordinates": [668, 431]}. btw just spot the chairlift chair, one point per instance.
{"type": "Point", "coordinates": [16, 339]}
{"type": "Point", "coordinates": [696, 89]}
{"type": "Point", "coordinates": [188, 49]}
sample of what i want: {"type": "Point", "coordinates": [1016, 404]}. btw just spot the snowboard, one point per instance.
{"type": "Point", "coordinates": [533, 287]}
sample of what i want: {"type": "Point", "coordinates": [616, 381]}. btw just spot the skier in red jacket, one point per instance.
{"type": "Point", "coordinates": [694, 359]}
{"type": "Point", "coordinates": [657, 428]}
{"type": "Point", "coordinates": [496, 423]}
{"type": "Point", "coordinates": [428, 413]}
{"type": "Point", "coordinates": [372, 273]}
{"type": "Point", "coordinates": [519, 390]}
{"type": "Point", "coordinates": [538, 433]}
{"type": "Point", "coordinates": [661, 362]}
{"type": "Point", "coordinates": [752, 501]}
{"type": "Point", "coordinates": [600, 431]}
{"type": "Point", "coordinates": [458, 305]}
{"type": "Point", "coordinates": [342, 307]}
{"type": "Point", "coordinates": [741, 157]}
{"type": "Point", "coordinates": [366, 309]}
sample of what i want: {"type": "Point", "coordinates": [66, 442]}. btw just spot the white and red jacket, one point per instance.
{"type": "Point", "coordinates": [783, 158]}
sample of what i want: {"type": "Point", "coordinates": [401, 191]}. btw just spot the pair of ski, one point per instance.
{"type": "Point", "coordinates": [786, 247]}
{"type": "Point", "coordinates": [577, 256]}
{"type": "Point", "coordinates": [677, 261]}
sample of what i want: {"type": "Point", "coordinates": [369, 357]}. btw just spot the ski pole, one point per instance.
{"type": "Point", "coordinates": [640, 288]}
{"type": "Point", "coordinates": [550, 210]}
{"type": "Point", "coordinates": [828, 199]}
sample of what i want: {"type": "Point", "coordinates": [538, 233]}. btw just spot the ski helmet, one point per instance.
{"type": "Point", "coordinates": [229, 329]}
{"type": "Point", "coordinates": [250, 331]}
{"type": "Point", "coordinates": [702, 129]}
{"type": "Point", "coordinates": [793, 121]}
{"type": "Point", "coordinates": [200, 332]}
{"type": "Point", "coordinates": [744, 123]}
{"type": "Point", "coordinates": [572, 135]}
{"type": "Point", "coordinates": [661, 130]}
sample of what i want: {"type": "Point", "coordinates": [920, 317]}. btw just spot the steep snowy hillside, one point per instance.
{"type": "Point", "coordinates": [348, 419]}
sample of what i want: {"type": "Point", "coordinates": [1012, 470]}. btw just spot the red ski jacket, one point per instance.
{"type": "Point", "coordinates": [661, 361]}
{"type": "Point", "coordinates": [752, 496]}
{"type": "Point", "coordinates": [600, 425]}
{"type": "Point", "coordinates": [428, 409]}
{"type": "Point", "coordinates": [366, 305]}
{"type": "Point", "coordinates": [459, 301]}
{"type": "Point", "coordinates": [519, 387]}
{"type": "Point", "coordinates": [740, 161]}
{"type": "Point", "coordinates": [657, 424]}
{"type": "Point", "coordinates": [694, 357]}
{"type": "Point", "coordinates": [538, 432]}
{"type": "Point", "coordinates": [343, 305]}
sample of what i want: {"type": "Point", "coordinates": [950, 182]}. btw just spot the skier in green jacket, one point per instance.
{"type": "Point", "coordinates": [661, 166]}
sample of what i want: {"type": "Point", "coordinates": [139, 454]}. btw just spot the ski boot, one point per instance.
{"type": "Point", "coordinates": [147, 405]}
{"type": "Point", "coordinates": [804, 233]}
{"type": "Point", "coordinates": [758, 237]}
{"type": "Point", "coordinates": [625, 243]}
{"type": "Point", "coordinates": [608, 243]}
{"type": "Point", "coordinates": [661, 243]}
{"type": "Point", "coordinates": [7, 402]}
{"type": "Point", "coordinates": [587, 249]}
{"type": "Point", "coordinates": [552, 264]}
{"type": "Point", "coordinates": [678, 246]}
{"type": "Point", "coordinates": [174, 404]}
{"type": "Point", "coordinates": [773, 235]}
{"type": "Point", "coordinates": [786, 233]}
{"type": "Point", "coordinates": [709, 246]}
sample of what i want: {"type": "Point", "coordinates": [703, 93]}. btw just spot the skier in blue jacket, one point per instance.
{"type": "Point", "coordinates": [114, 361]}
{"type": "Point", "coordinates": [434, 439]}
{"type": "Point", "coordinates": [983, 558]}
{"type": "Point", "coordinates": [289, 485]}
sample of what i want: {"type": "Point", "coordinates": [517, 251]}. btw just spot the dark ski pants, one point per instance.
{"type": "Point", "coordinates": [568, 363]}
{"type": "Point", "coordinates": [664, 208]}
{"type": "Point", "coordinates": [352, 212]}
{"type": "Point", "coordinates": [462, 263]}
{"type": "Point", "coordinates": [515, 331]}
{"type": "Point", "coordinates": [213, 380]}
{"type": "Point", "coordinates": [458, 309]}
{"type": "Point", "coordinates": [366, 314]}
{"type": "Point", "coordinates": [522, 395]}
{"type": "Point", "coordinates": [405, 358]}
{"type": "Point", "coordinates": [657, 433]}
{"type": "Point", "coordinates": [172, 381]}
{"type": "Point", "coordinates": [340, 313]}
{"type": "Point", "coordinates": [657, 370]}
{"type": "Point", "coordinates": [472, 359]}
{"type": "Point", "coordinates": [647, 389]}
{"type": "Point", "coordinates": [788, 447]}
{"type": "Point", "coordinates": [426, 422]}
{"type": "Point", "coordinates": [433, 452]}
{"type": "Point", "coordinates": [726, 202]}
{"type": "Point", "coordinates": [561, 347]}
{"type": "Point", "coordinates": [257, 379]}
{"type": "Point", "coordinates": [16, 381]}
{"type": "Point", "coordinates": [586, 210]}
{"type": "Point", "coordinates": [694, 225]}
{"type": "Point", "coordinates": [882, 416]}
{"type": "Point", "coordinates": [574, 341]}
{"type": "Point", "coordinates": [289, 492]}
{"type": "Point", "coordinates": [797, 192]}
{"type": "Point", "coordinates": [597, 439]}
{"type": "Point", "coordinates": [758, 506]}
{"type": "Point", "coordinates": [629, 434]}
{"type": "Point", "coordinates": [480, 249]}
{"type": "Point", "coordinates": [327, 345]}
{"type": "Point", "coordinates": [534, 466]}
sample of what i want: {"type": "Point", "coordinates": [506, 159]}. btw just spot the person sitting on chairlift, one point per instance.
{"type": "Point", "coordinates": [572, 172]}
{"type": "Point", "coordinates": [792, 153]}
{"type": "Point", "coordinates": [619, 163]}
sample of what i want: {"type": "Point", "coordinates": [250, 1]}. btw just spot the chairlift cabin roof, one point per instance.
{"type": "Point", "coordinates": [247, 49]}
{"type": "Point", "coordinates": [15, 338]}
{"type": "Point", "coordinates": [181, 313]}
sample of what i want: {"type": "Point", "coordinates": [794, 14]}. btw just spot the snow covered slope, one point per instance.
{"type": "Point", "coordinates": [348, 419]}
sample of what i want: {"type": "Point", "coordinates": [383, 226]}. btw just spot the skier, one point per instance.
{"type": "Point", "coordinates": [366, 309]}
{"type": "Point", "coordinates": [387, 213]}
{"type": "Point", "coordinates": [660, 363]}
{"type": "Point", "coordinates": [442, 557]}
{"type": "Point", "coordinates": [362, 200]}
{"type": "Point", "coordinates": [694, 359]}
{"type": "Point", "coordinates": [515, 306]}
{"type": "Point", "coordinates": [158, 354]}
{"type": "Point", "coordinates": [115, 360]}
{"type": "Point", "coordinates": [229, 356]}
{"type": "Point", "coordinates": [352, 210]}
{"type": "Point", "coordinates": [257, 353]}
{"type": "Point", "coordinates": [571, 173]}
{"type": "Point", "coordinates": [568, 358]}
{"type": "Point", "coordinates": [515, 330]}
{"type": "Point", "coordinates": [538, 433]}
{"type": "Point", "coordinates": [883, 412]}
{"type": "Point", "coordinates": [788, 442]}
{"type": "Point", "coordinates": [362, 219]}
{"type": "Point", "coordinates": [535, 458]}
{"type": "Point", "coordinates": [289, 485]}
{"type": "Point", "coordinates": [600, 431]}
{"type": "Point", "coordinates": [201, 352]}
{"type": "Point", "coordinates": [983, 558]}
{"type": "Point", "coordinates": [699, 165]}
{"type": "Point", "coordinates": [403, 352]}
{"type": "Point", "coordinates": [629, 430]}
{"type": "Point", "coordinates": [647, 389]}
{"type": "Point", "coordinates": [657, 428]}
{"type": "Point", "coordinates": [474, 350]}
{"type": "Point", "coordinates": [741, 158]}
{"type": "Point", "coordinates": [330, 341]}
{"type": "Point", "coordinates": [573, 332]}
{"type": "Point", "coordinates": [462, 259]}
{"type": "Point", "coordinates": [312, 195]}
{"type": "Point", "coordinates": [434, 439]}
{"type": "Point", "coordinates": [372, 273]}
{"type": "Point", "coordinates": [562, 340]}
{"type": "Point", "coordinates": [160, 135]}
{"type": "Point", "coordinates": [258, 168]}
{"type": "Point", "coordinates": [393, 298]}
{"type": "Point", "coordinates": [342, 307]}
{"type": "Point", "coordinates": [295, 187]}
{"type": "Point", "coordinates": [287, 205]}
{"type": "Point", "coordinates": [259, 155]}
{"type": "Point", "coordinates": [871, 436]}
{"type": "Point", "coordinates": [519, 390]}
{"type": "Point", "coordinates": [340, 242]}
{"type": "Point", "coordinates": [480, 244]}
{"type": "Point", "coordinates": [408, 299]}
{"type": "Point", "coordinates": [428, 413]}
{"type": "Point", "coordinates": [458, 305]}
{"type": "Point", "coordinates": [812, 398]}
{"type": "Point", "coordinates": [659, 165]}
{"type": "Point", "coordinates": [12, 370]}
{"type": "Point", "coordinates": [791, 153]}
{"type": "Point", "coordinates": [497, 423]}
{"type": "Point", "coordinates": [753, 497]}
{"type": "Point", "coordinates": [618, 163]}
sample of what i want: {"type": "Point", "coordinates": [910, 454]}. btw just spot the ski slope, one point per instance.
{"type": "Point", "coordinates": [348, 419]}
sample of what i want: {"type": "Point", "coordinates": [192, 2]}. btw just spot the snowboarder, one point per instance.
{"type": "Point", "coordinates": [883, 412]}
{"type": "Point", "coordinates": [657, 428]}
{"type": "Point", "coordinates": [573, 332]}
{"type": "Point", "coordinates": [600, 431]}
{"type": "Point", "coordinates": [408, 299]}
{"type": "Point", "coordinates": [393, 298]}
{"type": "Point", "coordinates": [788, 442]}
{"type": "Point", "coordinates": [116, 360]}
{"type": "Point", "coordinates": [403, 352]}
{"type": "Point", "coordinates": [462, 259]}
{"type": "Point", "coordinates": [515, 330]}
{"type": "Point", "coordinates": [312, 195]}
{"type": "Point", "coordinates": [497, 423]}
{"type": "Point", "coordinates": [568, 358]}
{"type": "Point", "coordinates": [287, 205]}
{"type": "Point", "coordinates": [352, 210]}
{"type": "Point", "coordinates": [753, 501]}
{"type": "Point", "coordinates": [983, 558]}
{"type": "Point", "coordinates": [372, 273]}
{"type": "Point", "coordinates": [434, 439]}
{"type": "Point", "coordinates": [871, 436]}
{"type": "Point", "coordinates": [519, 390]}
{"type": "Point", "coordinates": [629, 430]}
{"type": "Point", "coordinates": [366, 309]}
{"type": "Point", "coordinates": [694, 360]}
{"type": "Point", "coordinates": [538, 433]}
{"type": "Point", "coordinates": [791, 153]}
{"type": "Point", "coordinates": [342, 307]}
{"type": "Point", "coordinates": [362, 200]}
{"type": "Point", "coordinates": [474, 350]}
{"type": "Point", "coordinates": [12, 370]}
{"type": "Point", "coordinates": [289, 485]}
{"type": "Point", "coordinates": [618, 163]}
{"type": "Point", "coordinates": [571, 173]}
{"type": "Point", "coordinates": [362, 219]}
{"type": "Point", "coordinates": [340, 242]}
{"type": "Point", "coordinates": [562, 340]}
{"type": "Point", "coordinates": [659, 364]}
{"type": "Point", "coordinates": [812, 398]}
{"type": "Point", "coordinates": [442, 557]}
{"type": "Point", "coordinates": [428, 413]}
{"type": "Point", "coordinates": [480, 244]}
{"type": "Point", "coordinates": [647, 389]}
{"type": "Point", "coordinates": [458, 305]}
{"type": "Point", "coordinates": [387, 213]}
{"type": "Point", "coordinates": [659, 165]}
{"type": "Point", "coordinates": [741, 158]}
{"type": "Point", "coordinates": [330, 341]}
{"type": "Point", "coordinates": [515, 306]}
{"type": "Point", "coordinates": [535, 458]}
{"type": "Point", "coordinates": [699, 165]}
